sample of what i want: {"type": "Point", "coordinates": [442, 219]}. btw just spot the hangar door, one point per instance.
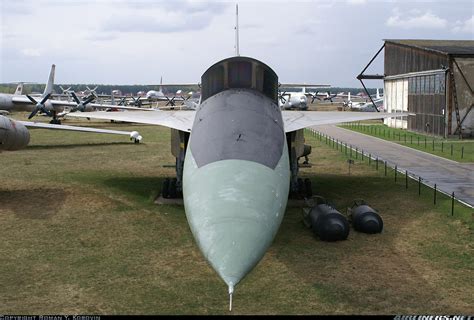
{"type": "Point", "coordinates": [396, 100]}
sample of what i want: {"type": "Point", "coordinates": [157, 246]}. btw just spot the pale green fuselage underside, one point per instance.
{"type": "Point", "coordinates": [234, 209]}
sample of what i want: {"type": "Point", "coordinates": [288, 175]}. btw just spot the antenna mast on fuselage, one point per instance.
{"type": "Point", "coordinates": [237, 30]}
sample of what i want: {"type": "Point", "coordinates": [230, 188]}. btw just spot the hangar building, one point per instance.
{"type": "Point", "coordinates": [433, 81]}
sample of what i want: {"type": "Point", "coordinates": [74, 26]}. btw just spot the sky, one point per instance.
{"type": "Point", "coordinates": [137, 42]}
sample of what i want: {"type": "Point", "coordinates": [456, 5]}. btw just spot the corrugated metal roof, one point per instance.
{"type": "Point", "coordinates": [454, 47]}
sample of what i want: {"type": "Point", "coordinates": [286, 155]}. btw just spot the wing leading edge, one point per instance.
{"type": "Point", "coordinates": [183, 120]}
{"type": "Point", "coordinates": [180, 120]}
{"type": "Point", "coordinates": [295, 120]}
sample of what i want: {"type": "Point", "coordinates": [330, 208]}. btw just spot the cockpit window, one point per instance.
{"type": "Point", "coordinates": [239, 72]}
{"type": "Point", "coordinates": [213, 81]}
{"type": "Point", "coordinates": [270, 85]}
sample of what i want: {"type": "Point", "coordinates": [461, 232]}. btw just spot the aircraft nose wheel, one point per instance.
{"type": "Point", "coordinates": [170, 189]}
{"type": "Point", "coordinates": [55, 121]}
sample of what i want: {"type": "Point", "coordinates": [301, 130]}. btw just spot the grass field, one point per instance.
{"type": "Point", "coordinates": [80, 234]}
{"type": "Point", "coordinates": [452, 148]}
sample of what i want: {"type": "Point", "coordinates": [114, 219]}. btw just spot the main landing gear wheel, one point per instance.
{"type": "Point", "coordinates": [304, 188]}
{"type": "Point", "coordinates": [165, 189]}
{"type": "Point", "coordinates": [169, 189]}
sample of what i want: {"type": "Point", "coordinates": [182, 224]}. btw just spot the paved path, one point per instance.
{"type": "Point", "coordinates": [449, 176]}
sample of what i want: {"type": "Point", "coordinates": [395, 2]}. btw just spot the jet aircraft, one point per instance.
{"type": "Point", "coordinates": [236, 161]}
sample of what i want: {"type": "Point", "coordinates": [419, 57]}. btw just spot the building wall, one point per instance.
{"type": "Point", "coordinates": [430, 98]}
{"type": "Point", "coordinates": [427, 101]}
{"type": "Point", "coordinates": [464, 94]}
{"type": "Point", "coordinates": [402, 59]}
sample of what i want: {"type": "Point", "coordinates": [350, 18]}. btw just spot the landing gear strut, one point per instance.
{"type": "Point", "coordinates": [55, 119]}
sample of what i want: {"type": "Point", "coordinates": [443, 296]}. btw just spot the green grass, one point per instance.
{"type": "Point", "coordinates": [453, 149]}
{"type": "Point", "coordinates": [81, 234]}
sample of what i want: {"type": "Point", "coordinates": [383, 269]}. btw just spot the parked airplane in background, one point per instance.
{"type": "Point", "coordinates": [43, 104]}
{"type": "Point", "coordinates": [289, 100]}
{"type": "Point", "coordinates": [154, 96]}
{"type": "Point", "coordinates": [365, 104]}
{"type": "Point", "coordinates": [236, 160]}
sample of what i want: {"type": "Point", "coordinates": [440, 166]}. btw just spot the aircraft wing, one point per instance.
{"type": "Point", "coordinates": [24, 99]}
{"type": "Point", "coordinates": [180, 120]}
{"type": "Point", "coordinates": [295, 120]}
{"type": "Point", "coordinates": [303, 85]}
{"type": "Point", "coordinates": [132, 134]}
{"type": "Point", "coordinates": [21, 99]}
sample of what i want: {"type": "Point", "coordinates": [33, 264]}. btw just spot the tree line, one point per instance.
{"type": "Point", "coordinates": [133, 89]}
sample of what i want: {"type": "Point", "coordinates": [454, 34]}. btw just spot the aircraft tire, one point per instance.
{"type": "Point", "coordinates": [165, 190]}
{"type": "Point", "coordinates": [301, 186]}
{"type": "Point", "coordinates": [172, 189]}
{"type": "Point", "coordinates": [308, 187]}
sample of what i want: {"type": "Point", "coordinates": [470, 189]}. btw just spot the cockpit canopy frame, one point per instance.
{"type": "Point", "coordinates": [239, 73]}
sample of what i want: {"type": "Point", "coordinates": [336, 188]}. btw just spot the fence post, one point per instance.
{"type": "Point", "coordinates": [434, 196]}
{"type": "Point", "coordinates": [377, 164]}
{"type": "Point", "coordinates": [442, 146]}
{"type": "Point", "coordinates": [418, 140]}
{"type": "Point", "coordinates": [406, 179]}
{"type": "Point", "coordinates": [411, 139]}
{"type": "Point", "coordinates": [433, 144]}
{"type": "Point", "coordinates": [362, 155]}
{"type": "Point", "coordinates": [385, 168]}
{"type": "Point", "coordinates": [419, 186]}
{"type": "Point", "coordinates": [396, 173]}
{"type": "Point", "coordinates": [462, 152]}
{"type": "Point", "coordinates": [451, 149]}
{"type": "Point", "coordinates": [452, 204]}
{"type": "Point", "coordinates": [357, 151]}
{"type": "Point", "coordinates": [425, 142]}
{"type": "Point", "coordinates": [370, 158]}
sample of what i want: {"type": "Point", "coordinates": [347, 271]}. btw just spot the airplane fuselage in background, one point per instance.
{"type": "Point", "coordinates": [294, 100]}
{"type": "Point", "coordinates": [11, 102]}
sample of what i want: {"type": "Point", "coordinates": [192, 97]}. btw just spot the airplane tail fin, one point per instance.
{"type": "Point", "coordinates": [349, 96]}
{"type": "Point", "coordinates": [19, 89]}
{"type": "Point", "coordinates": [161, 83]}
{"type": "Point", "coordinates": [378, 94]}
{"type": "Point", "coordinates": [50, 84]}
{"type": "Point", "coordinates": [304, 89]}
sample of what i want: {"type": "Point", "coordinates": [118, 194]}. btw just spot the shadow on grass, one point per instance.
{"type": "Point", "coordinates": [143, 188]}
{"type": "Point", "coordinates": [32, 204]}
{"type": "Point", "coordinates": [76, 145]}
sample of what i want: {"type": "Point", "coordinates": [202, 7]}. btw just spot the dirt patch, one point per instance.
{"type": "Point", "coordinates": [39, 203]}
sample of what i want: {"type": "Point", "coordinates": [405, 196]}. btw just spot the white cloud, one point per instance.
{"type": "Point", "coordinates": [164, 17]}
{"type": "Point", "coordinates": [464, 27]}
{"type": "Point", "coordinates": [31, 52]}
{"type": "Point", "coordinates": [356, 2]}
{"type": "Point", "coordinates": [416, 19]}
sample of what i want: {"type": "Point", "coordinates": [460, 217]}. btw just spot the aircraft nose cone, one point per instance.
{"type": "Point", "coordinates": [234, 209]}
